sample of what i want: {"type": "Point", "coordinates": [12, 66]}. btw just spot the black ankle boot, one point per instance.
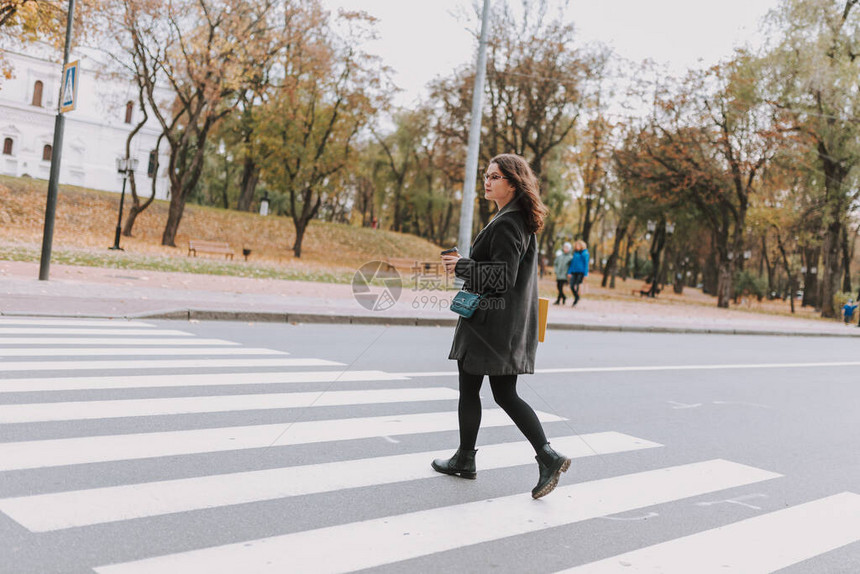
{"type": "Point", "coordinates": [551, 465]}
{"type": "Point", "coordinates": [462, 464]}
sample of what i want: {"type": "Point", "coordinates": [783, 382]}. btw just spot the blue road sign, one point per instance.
{"type": "Point", "coordinates": [70, 87]}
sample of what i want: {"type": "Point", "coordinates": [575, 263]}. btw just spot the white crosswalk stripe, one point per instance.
{"type": "Point", "coordinates": [160, 364]}
{"type": "Point", "coordinates": [80, 410]}
{"type": "Point", "coordinates": [134, 351]}
{"type": "Point", "coordinates": [114, 324]}
{"type": "Point", "coordinates": [344, 548]}
{"type": "Point", "coordinates": [90, 331]}
{"type": "Point", "coordinates": [115, 341]}
{"type": "Point", "coordinates": [57, 452]}
{"type": "Point", "coordinates": [227, 485]}
{"type": "Point", "coordinates": [79, 508]}
{"type": "Point", "coordinates": [754, 546]}
{"type": "Point", "coordinates": [189, 380]}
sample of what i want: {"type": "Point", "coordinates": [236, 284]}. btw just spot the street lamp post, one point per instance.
{"type": "Point", "coordinates": [123, 166]}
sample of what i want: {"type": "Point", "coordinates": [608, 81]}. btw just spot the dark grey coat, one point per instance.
{"type": "Point", "coordinates": [501, 337]}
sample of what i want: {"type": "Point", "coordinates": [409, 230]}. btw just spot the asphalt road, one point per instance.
{"type": "Point", "coordinates": [210, 450]}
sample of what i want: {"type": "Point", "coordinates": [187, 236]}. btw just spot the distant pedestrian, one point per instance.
{"type": "Point", "coordinates": [848, 311]}
{"type": "Point", "coordinates": [561, 263]}
{"type": "Point", "coordinates": [500, 339]}
{"type": "Point", "coordinates": [578, 269]}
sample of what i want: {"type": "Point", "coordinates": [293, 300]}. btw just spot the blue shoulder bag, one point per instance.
{"type": "Point", "coordinates": [465, 303]}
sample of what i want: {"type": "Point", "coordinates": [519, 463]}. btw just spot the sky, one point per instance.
{"type": "Point", "coordinates": [423, 39]}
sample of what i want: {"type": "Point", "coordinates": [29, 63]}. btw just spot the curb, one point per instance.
{"type": "Point", "coordinates": [293, 318]}
{"type": "Point", "coordinates": [319, 318]}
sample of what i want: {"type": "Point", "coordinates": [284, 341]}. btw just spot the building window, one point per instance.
{"type": "Point", "coordinates": [7, 146]}
{"type": "Point", "coordinates": [37, 93]}
{"type": "Point", "coordinates": [129, 108]}
{"type": "Point", "coordinates": [47, 152]}
{"type": "Point", "coordinates": [152, 168]}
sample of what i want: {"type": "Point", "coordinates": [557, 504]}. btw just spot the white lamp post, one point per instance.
{"type": "Point", "coordinates": [264, 204]}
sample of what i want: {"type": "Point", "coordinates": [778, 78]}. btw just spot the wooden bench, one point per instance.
{"type": "Point", "coordinates": [196, 246]}
{"type": "Point", "coordinates": [410, 263]}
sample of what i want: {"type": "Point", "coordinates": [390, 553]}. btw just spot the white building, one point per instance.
{"type": "Point", "coordinates": [95, 134]}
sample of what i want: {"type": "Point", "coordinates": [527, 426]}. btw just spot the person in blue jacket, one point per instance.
{"type": "Point", "coordinates": [578, 269]}
{"type": "Point", "coordinates": [848, 311]}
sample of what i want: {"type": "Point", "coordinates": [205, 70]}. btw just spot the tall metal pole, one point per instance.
{"type": "Point", "coordinates": [56, 155]}
{"type": "Point", "coordinates": [464, 237]}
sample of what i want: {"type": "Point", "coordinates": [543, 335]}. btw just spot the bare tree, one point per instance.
{"type": "Point", "coordinates": [202, 50]}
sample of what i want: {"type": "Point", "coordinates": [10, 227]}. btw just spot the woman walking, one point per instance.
{"type": "Point", "coordinates": [561, 264]}
{"type": "Point", "coordinates": [578, 269]}
{"type": "Point", "coordinates": [500, 339]}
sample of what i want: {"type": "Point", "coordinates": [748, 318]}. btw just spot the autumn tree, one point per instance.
{"type": "Point", "coordinates": [625, 206]}
{"type": "Point", "coordinates": [709, 143]}
{"type": "Point", "coordinates": [127, 21]}
{"type": "Point", "coordinates": [814, 62]}
{"type": "Point", "coordinates": [437, 186]}
{"type": "Point", "coordinates": [365, 182]}
{"type": "Point", "coordinates": [201, 50]}
{"type": "Point", "coordinates": [778, 215]}
{"type": "Point", "coordinates": [26, 21]}
{"type": "Point", "coordinates": [591, 147]}
{"type": "Point", "coordinates": [399, 151]}
{"type": "Point", "coordinates": [139, 205]}
{"type": "Point", "coordinates": [533, 92]}
{"type": "Point", "coordinates": [329, 92]}
{"type": "Point", "coordinates": [261, 82]}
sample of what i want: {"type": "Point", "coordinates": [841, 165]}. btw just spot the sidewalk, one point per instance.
{"type": "Point", "coordinates": [120, 293]}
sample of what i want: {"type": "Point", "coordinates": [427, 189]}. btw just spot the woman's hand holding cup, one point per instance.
{"type": "Point", "coordinates": [450, 258]}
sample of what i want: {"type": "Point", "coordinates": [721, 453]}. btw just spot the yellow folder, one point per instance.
{"type": "Point", "coordinates": [543, 309]}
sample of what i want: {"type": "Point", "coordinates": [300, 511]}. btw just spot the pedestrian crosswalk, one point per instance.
{"type": "Point", "coordinates": [406, 536]}
{"type": "Point", "coordinates": [56, 511]}
{"type": "Point", "coordinates": [247, 383]}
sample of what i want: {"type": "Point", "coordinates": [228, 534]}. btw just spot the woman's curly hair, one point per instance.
{"type": "Point", "coordinates": [527, 188]}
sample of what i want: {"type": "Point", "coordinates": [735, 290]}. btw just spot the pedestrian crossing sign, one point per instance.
{"type": "Point", "coordinates": [70, 87]}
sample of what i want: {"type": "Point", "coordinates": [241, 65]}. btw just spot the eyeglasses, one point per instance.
{"type": "Point", "coordinates": [493, 177]}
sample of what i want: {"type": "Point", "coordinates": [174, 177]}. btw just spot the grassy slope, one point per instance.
{"type": "Point", "coordinates": [86, 222]}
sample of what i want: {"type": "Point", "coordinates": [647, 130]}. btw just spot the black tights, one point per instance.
{"type": "Point", "coordinates": [559, 284]}
{"type": "Point", "coordinates": [575, 282]}
{"type": "Point", "coordinates": [505, 394]}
